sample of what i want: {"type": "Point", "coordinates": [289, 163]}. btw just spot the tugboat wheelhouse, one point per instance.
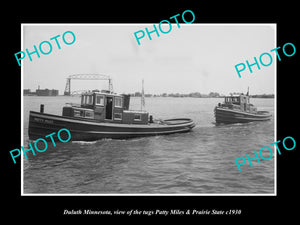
{"type": "Point", "coordinates": [106, 107]}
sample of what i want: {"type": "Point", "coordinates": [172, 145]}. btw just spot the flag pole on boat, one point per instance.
{"type": "Point", "coordinates": [142, 96]}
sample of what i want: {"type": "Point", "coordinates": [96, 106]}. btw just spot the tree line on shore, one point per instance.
{"type": "Point", "coordinates": [196, 95]}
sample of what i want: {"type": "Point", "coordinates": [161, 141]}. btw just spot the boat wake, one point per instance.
{"type": "Point", "coordinates": [109, 140]}
{"type": "Point", "coordinates": [85, 142]}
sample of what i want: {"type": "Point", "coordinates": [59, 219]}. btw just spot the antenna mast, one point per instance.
{"type": "Point", "coordinates": [142, 96]}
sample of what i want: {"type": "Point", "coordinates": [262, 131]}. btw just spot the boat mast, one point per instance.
{"type": "Point", "coordinates": [142, 96]}
{"type": "Point", "coordinates": [110, 85]}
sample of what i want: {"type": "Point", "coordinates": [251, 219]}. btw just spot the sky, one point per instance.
{"type": "Point", "coordinates": [192, 58]}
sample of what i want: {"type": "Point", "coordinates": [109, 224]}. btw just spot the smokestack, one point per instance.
{"type": "Point", "coordinates": [42, 108]}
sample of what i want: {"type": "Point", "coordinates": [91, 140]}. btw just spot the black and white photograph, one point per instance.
{"type": "Point", "coordinates": [163, 116]}
{"type": "Point", "coordinates": [140, 112]}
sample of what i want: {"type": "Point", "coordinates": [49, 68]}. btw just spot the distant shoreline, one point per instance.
{"type": "Point", "coordinates": [176, 96]}
{"type": "Point", "coordinates": [197, 95]}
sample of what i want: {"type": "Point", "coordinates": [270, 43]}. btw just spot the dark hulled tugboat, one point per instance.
{"type": "Point", "coordinates": [238, 109]}
{"type": "Point", "coordinates": [103, 115]}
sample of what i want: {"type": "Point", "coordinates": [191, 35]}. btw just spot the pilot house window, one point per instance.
{"type": "Point", "coordinates": [87, 100]}
{"type": "Point", "coordinates": [100, 100]}
{"type": "Point", "coordinates": [118, 102]}
{"type": "Point", "coordinates": [90, 99]}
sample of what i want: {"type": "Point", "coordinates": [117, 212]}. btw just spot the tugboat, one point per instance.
{"type": "Point", "coordinates": [237, 109]}
{"type": "Point", "coordinates": [103, 114]}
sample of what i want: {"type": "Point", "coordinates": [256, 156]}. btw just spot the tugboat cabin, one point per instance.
{"type": "Point", "coordinates": [105, 106]}
{"type": "Point", "coordinates": [239, 102]}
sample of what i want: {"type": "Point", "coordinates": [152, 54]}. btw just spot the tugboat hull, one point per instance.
{"type": "Point", "coordinates": [226, 116]}
{"type": "Point", "coordinates": [42, 124]}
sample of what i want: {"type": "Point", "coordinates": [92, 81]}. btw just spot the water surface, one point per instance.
{"type": "Point", "coordinates": [198, 162]}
